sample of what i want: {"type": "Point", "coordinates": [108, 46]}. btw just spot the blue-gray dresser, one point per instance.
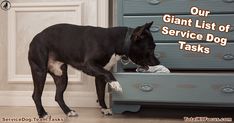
{"type": "Point", "coordinates": [196, 79]}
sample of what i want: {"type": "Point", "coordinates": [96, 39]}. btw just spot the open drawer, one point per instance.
{"type": "Point", "coordinates": [210, 89]}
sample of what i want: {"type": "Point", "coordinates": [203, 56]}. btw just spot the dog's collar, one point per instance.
{"type": "Point", "coordinates": [127, 41]}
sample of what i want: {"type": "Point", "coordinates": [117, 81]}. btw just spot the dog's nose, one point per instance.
{"type": "Point", "coordinates": [154, 61]}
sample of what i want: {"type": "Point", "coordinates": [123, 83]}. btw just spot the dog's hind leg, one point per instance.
{"type": "Point", "coordinates": [100, 88]}
{"type": "Point", "coordinates": [61, 85]}
{"type": "Point", "coordinates": [38, 62]}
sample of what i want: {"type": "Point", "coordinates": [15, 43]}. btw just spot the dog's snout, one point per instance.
{"type": "Point", "coordinates": [153, 61]}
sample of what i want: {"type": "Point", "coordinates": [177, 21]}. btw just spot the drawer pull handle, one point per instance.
{"type": "Point", "coordinates": [228, 57]}
{"type": "Point", "coordinates": [231, 29]}
{"type": "Point", "coordinates": [154, 29]}
{"type": "Point", "coordinates": [228, 89]}
{"type": "Point", "coordinates": [157, 55]}
{"type": "Point", "coordinates": [228, 1]}
{"type": "Point", "coordinates": [146, 88]}
{"type": "Point", "coordinates": [153, 2]}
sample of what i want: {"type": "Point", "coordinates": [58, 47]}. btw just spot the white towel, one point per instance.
{"type": "Point", "coordinates": [154, 69]}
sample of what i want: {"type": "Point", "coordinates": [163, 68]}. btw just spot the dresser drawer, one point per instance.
{"type": "Point", "coordinates": [224, 19]}
{"type": "Point", "coordinates": [169, 54]}
{"type": "Point", "coordinates": [220, 58]}
{"type": "Point", "coordinates": [176, 88]}
{"type": "Point", "coordinates": [175, 6]}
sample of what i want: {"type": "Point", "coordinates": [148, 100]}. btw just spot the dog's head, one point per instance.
{"type": "Point", "coordinates": [142, 46]}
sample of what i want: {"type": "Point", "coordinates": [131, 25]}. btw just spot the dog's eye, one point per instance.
{"type": "Point", "coordinates": [151, 45]}
{"type": "Point", "coordinates": [151, 48]}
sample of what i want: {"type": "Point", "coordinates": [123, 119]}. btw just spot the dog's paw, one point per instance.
{"type": "Point", "coordinates": [72, 113]}
{"type": "Point", "coordinates": [116, 86]}
{"type": "Point", "coordinates": [106, 112]}
{"type": "Point", "coordinates": [46, 117]}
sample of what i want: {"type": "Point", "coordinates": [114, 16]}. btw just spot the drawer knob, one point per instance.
{"type": "Point", "coordinates": [228, 57]}
{"type": "Point", "coordinates": [228, 89]}
{"type": "Point", "coordinates": [228, 1]}
{"type": "Point", "coordinates": [146, 87]}
{"type": "Point", "coordinates": [154, 29]}
{"type": "Point", "coordinates": [153, 2]}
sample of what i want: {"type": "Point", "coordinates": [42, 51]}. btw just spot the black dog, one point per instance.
{"type": "Point", "coordinates": [93, 50]}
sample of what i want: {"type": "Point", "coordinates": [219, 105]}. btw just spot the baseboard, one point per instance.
{"type": "Point", "coordinates": [24, 98]}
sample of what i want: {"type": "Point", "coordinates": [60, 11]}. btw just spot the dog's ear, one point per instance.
{"type": "Point", "coordinates": [148, 25]}
{"type": "Point", "coordinates": [137, 34]}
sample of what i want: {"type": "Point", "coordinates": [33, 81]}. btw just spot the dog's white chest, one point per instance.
{"type": "Point", "coordinates": [113, 60]}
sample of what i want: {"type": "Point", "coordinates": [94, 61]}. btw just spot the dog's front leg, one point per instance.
{"type": "Point", "coordinates": [98, 71]}
{"type": "Point", "coordinates": [100, 88]}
